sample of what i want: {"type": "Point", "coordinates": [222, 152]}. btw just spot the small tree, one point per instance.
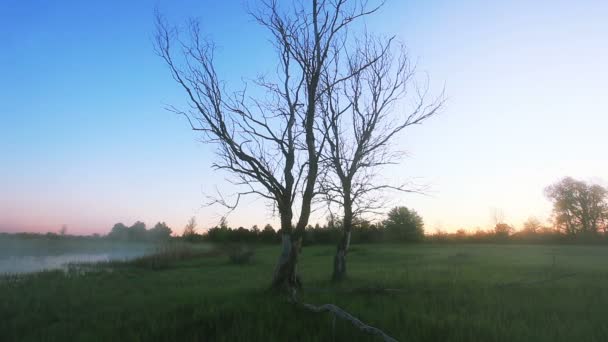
{"type": "Point", "coordinates": [532, 226]}
{"type": "Point", "coordinates": [119, 232]}
{"type": "Point", "coordinates": [503, 230]}
{"type": "Point", "coordinates": [403, 224]}
{"type": "Point", "coordinates": [268, 234]}
{"type": "Point", "coordinates": [497, 215]}
{"type": "Point", "coordinates": [64, 230]}
{"type": "Point", "coordinates": [137, 232]}
{"type": "Point", "coordinates": [190, 229]}
{"type": "Point", "coordinates": [160, 232]}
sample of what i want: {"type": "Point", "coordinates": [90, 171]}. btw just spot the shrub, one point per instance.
{"type": "Point", "coordinates": [240, 254]}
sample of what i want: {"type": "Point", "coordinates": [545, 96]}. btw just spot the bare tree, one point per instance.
{"type": "Point", "coordinates": [64, 230]}
{"type": "Point", "coordinates": [532, 225]}
{"type": "Point", "coordinates": [190, 228]}
{"type": "Point", "coordinates": [497, 215]}
{"type": "Point", "coordinates": [363, 116]}
{"type": "Point", "coordinates": [270, 144]}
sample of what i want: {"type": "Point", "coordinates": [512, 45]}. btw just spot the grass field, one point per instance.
{"type": "Point", "coordinates": [445, 293]}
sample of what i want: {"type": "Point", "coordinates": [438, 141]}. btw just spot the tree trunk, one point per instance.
{"type": "Point", "coordinates": [340, 258]}
{"type": "Point", "coordinates": [286, 273]}
{"type": "Point", "coordinates": [285, 276]}
{"type": "Point", "coordinates": [343, 244]}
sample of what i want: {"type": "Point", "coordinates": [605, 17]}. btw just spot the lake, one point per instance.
{"type": "Point", "coordinates": [29, 264]}
{"type": "Point", "coordinates": [18, 256]}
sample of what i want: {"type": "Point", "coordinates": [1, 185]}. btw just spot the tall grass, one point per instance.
{"type": "Point", "coordinates": [446, 293]}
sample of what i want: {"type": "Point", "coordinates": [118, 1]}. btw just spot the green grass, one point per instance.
{"type": "Point", "coordinates": [446, 293]}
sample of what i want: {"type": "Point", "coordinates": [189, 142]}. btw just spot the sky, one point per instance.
{"type": "Point", "coordinates": [85, 140]}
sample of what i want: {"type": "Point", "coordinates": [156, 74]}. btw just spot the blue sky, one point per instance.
{"type": "Point", "coordinates": [85, 141]}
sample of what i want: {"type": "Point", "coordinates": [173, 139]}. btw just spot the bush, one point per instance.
{"type": "Point", "coordinates": [404, 224]}
{"type": "Point", "coordinates": [240, 254]}
{"type": "Point", "coordinates": [169, 254]}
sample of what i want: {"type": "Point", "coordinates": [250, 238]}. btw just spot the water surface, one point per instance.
{"type": "Point", "coordinates": [19, 256]}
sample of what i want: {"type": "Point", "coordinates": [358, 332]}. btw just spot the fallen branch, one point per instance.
{"type": "Point", "coordinates": [336, 311]}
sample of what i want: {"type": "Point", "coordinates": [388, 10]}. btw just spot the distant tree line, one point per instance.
{"type": "Point", "coordinates": [401, 225]}
{"type": "Point", "coordinates": [505, 233]}
{"type": "Point", "coordinates": [580, 214]}
{"type": "Point", "coordinates": [138, 232]}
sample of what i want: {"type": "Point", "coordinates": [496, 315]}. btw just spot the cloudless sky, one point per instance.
{"type": "Point", "coordinates": [85, 141]}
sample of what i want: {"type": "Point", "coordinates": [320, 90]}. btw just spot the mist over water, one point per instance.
{"type": "Point", "coordinates": [19, 255]}
{"type": "Point", "coordinates": [29, 264]}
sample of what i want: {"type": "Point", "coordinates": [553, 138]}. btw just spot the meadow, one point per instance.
{"type": "Point", "coordinates": [417, 292]}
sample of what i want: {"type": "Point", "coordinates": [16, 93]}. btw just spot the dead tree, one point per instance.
{"type": "Point", "coordinates": [363, 116]}
{"type": "Point", "coordinates": [270, 144]}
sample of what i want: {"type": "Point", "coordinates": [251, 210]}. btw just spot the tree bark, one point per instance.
{"type": "Point", "coordinates": [285, 276]}
{"type": "Point", "coordinates": [286, 272]}
{"type": "Point", "coordinates": [343, 244]}
{"type": "Point", "coordinates": [340, 258]}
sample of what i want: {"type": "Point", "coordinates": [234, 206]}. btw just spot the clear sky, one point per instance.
{"type": "Point", "coordinates": [85, 141]}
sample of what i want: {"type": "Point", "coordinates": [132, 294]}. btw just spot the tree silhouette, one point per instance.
{"type": "Point", "coordinates": [190, 229]}
{"type": "Point", "coordinates": [578, 207]}
{"type": "Point", "coordinates": [503, 230]}
{"type": "Point", "coordinates": [532, 226]}
{"type": "Point", "coordinates": [119, 232]}
{"type": "Point", "coordinates": [160, 232]}
{"type": "Point", "coordinates": [403, 224]}
{"type": "Point", "coordinates": [270, 144]}
{"type": "Point", "coordinates": [363, 117]}
{"type": "Point", "coordinates": [64, 230]}
{"type": "Point", "coordinates": [137, 231]}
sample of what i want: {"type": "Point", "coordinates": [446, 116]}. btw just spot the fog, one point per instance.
{"type": "Point", "coordinates": [34, 253]}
